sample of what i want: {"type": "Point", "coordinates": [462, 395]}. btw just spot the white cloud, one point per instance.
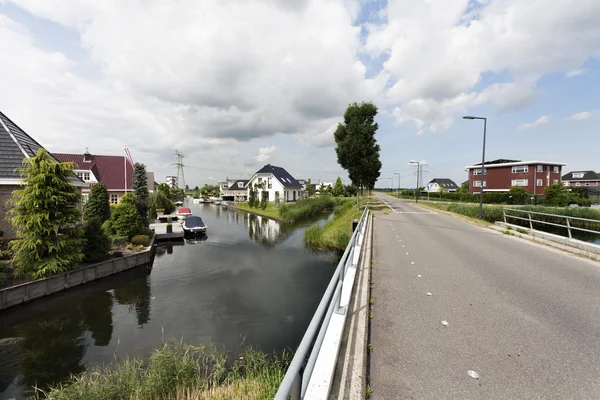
{"type": "Point", "coordinates": [581, 116]}
{"type": "Point", "coordinates": [437, 52]}
{"type": "Point", "coordinates": [575, 72]}
{"type": "Point", "coordinates": [265, 154]}
{"type": "Point", "coordinates": [539, 122]}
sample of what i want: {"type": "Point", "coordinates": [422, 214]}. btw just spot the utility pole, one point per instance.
{"type": "Point", "coordinates": [180, 175]}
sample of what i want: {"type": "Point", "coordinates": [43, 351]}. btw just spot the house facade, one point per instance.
{"type": "Point", "coordinates": [441, 185]}
{"type": "Point", "coordinates": [500, 175]}
{"type": "Point", "coordinates": [582, 178]}
{"type": "Point", "coordinates": [234, 189]}
{"type": "Point", "coordinates": [15, 146]}
{"type": "Point", "coordinates": [276, 180]}
{"type": "Point", "coordinates": [113, 171]}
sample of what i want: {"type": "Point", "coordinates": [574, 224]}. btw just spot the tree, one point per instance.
{"type": "Point", "coordinates": [166, 190]}
{"type": "Point", "coordinates": [97, 205]}
{"type": "Point", "coordinates": [125, 218]}
{"type": "Point", "coordinates": [322, 189]}
{"type": "Point", "coordinates": [97, 243]}
{"type": "Point", "coordinates": [264, 201]}
{"type": "Point", "coordinates": [357, 150]}
{"type": "Point", "coordinates": [517, 195]}
{"type": "Point", "coordinates": [187, 188]}
{"type": "Point", "coordinates": [253, 196]}
{"type": "Point", "coordinates": [140, 186]}
{"type": "Point", "coordinates": [45, 216]}
{"type": "Point", "coordinates": [196, 188]}
{"type": "Point", "coordinates": [351, 190]}
{"type": "Point", "coordinates": [158, 201]}
{"type": "Point", "coordinates": [558, 195]}
{"type": "Point", "coordinates": [277, 199]}
{"type": "Point", "coordinates": [309, 188]}
{"type": "Point", "coordinates": [338, 188]}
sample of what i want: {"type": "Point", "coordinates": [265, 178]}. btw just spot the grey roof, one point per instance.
{"type": "Point", "coordinates": [281, 174]}
{"type": "Point", "coordinates": [499, 161]}
{"type": "Point", "coordinates": [15, 145]}
{"type": "Point", "coordinates": [445, 183]}
{"type": "Point", "coordinates": [587, 176]}
{"type": "Point", "coordinates": [239, 184]}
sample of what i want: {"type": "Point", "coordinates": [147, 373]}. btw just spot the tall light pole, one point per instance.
{"type": "Point", "coordinates": [391, 184]}
{"type": "Point", "coordinates": [483, 172]}
{"type": "Point", "coordinates": [398, 193]}
{"type": "Point", "coordinates": [418, 164]}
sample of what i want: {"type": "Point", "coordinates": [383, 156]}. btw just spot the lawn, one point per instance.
{"type": "Point", "coordinates": [271, 211]}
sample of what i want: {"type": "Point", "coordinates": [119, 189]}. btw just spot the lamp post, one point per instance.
{"type": "Point", "coordinates": [483, 172]}
{"type": "Point", "coordinates": [418, 164]}
{"type": "Point", "coordinates": [392, 183]}
{"type": "Point", "coordinates": [398, 193]}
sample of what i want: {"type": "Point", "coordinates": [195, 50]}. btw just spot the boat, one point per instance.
{"type": "Point", "coordinates": [194, 224]}
{"type": "Point", "coordinates": [217, 202]}
{"type": "Point", "coordinates": [196, 201]}
{"type": "Point", "coordinates": [184, 212]}
{"type": "Point", "coordinates": [179, 203]}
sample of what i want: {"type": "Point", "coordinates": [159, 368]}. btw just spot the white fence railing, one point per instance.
{"type": "Point", "coordinates": [311, 371]}
{"type": "Point", "coordinates": [531, 219]}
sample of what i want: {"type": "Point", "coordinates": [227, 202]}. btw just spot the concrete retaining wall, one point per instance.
{"type": "Point", "coordinates": [26, 292]}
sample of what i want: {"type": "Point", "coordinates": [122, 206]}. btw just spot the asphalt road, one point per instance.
{"type": "Point", "coordinates": [524, 317]}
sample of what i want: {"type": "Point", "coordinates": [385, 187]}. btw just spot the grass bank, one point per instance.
{"type": "Point", "coordinates": [271, 211]}
{"type": "Point", "coordinates": [299, 210]}
{"type": "Point", "coordinates": [176, 372]}
{"type": "Point", "coordinates": [336, 234]}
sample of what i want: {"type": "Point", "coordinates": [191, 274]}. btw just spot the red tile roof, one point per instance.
{"type": "Point", "coordinates": [107, 169]}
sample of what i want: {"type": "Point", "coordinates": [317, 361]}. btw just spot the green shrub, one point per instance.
{"type": "Point", "coordinates": [140, 240]}
{"type": "Point", "coordinates": [97, 243]}
{"type": "Point", "coordinates": [119, 240]}
{"type": "Point", "coordinates": [6, 254]}
{"type": "Point", "coordinates": [490, 213]}
{"type": "Point", "coordinates": [107, 228]}
{"type": "Point", "coordinates": [126, 220]}
{"type": "Point", "coordinates": [313, 235]}
{"type": "Point", "coordinates": [129, 246]}
{"type": "Point", "coordinates": [310, 207]}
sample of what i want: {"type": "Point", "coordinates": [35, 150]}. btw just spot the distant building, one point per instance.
{"type": "Point", "coordinates": [171, 181]}
{"type": "Point", "coordinates": [441, 185]}
{"type": "Point", "coordinates": [277, 180]}
{"type": "Point", "coordinates": [582, 178]}
{"type": "Point", "coordinates": [15, 146]}
{"type": "Point", "coordinates": [500, 175]}
{"type": "Point", "coordinates": [115, 172]}
{"type": "Point", "coordinates": [234, 189]}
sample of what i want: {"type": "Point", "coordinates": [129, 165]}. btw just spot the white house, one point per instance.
{"type": "Point", "coordinates": [276, 180]}
{"type": "Point", "coordinates": [441, 184]}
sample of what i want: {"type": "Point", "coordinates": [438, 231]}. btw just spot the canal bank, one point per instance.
{"type": "Point", "coordinates": [251, 281]}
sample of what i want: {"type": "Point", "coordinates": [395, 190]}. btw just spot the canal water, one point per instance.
{"type": "Point", "coordinates": [250, 281]}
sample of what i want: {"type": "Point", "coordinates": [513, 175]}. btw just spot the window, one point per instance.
{"type": "Point", "coordinates": [84, 199]}
{"type": "Point", "coordinates": [478, 184]}
{"type": "Point", "coordinates": [259, 181]}
{"type": "Point", "coordinates": [519, 182]}
{"type": "Point", "coordinates": [114, 198]}
{"type": "Point", "coordinates": [270, 183]}
{"type": "Point", "coordinates": [516, 169]}
{"type": "Point", "coordinates": [587, 184]}
{"type": "Point", "coordinates": [577, 184]}
{"type": "Point", "coordinates": [555, 181]}
{"type": "Point", "coordinates": [80, 175]}
{"type": "Point", "coordinates": [540, 168]}
{"type": "Point", "coordinates": [478, 172]}
{"type": "Point", "coordinates": [86, 176]}
{"type": "Point", "coordinates": [540, 182]}
{"type": "Point", "coordinates": [578, 174]}
{"type": "Point", "coordinates": [556, 169]}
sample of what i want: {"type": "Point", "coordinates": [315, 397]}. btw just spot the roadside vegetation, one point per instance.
{"type": "Point", "coordinates": [178, 371]}
{"type": "Point", "coordinates": [270, 210]}
{"type": "Point", "coordinates": [335, 234]}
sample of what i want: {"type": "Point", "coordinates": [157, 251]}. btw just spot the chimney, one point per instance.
{"type": "Point", "coordinates": [87, 157]}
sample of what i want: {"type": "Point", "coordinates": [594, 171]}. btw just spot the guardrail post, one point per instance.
{"type": "Point", "coordinates": [569, 228]}
{"type": "Point", "coordinates": [504, 215]}
{"type": "Point", "coordinates": [530, 221]}
{"type": "Point", "coordinates": [296, 387]}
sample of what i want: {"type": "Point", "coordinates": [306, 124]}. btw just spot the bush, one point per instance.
{"type": "Point", "coordinates": [126, 220]}
{"type": "Point", "coordinates": [310, 207]}
{"type": "Point", "coordinates": [6, 254]}
{"type": "Point", "coordinates": [490, 214]}
{"type": "Point", "coordinates": [97, 243]}
{"type": "Point", "coordinates": [119, 240]}
{"type": "Point", "coordinates": [140, 240]}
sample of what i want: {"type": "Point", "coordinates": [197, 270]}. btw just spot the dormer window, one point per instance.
{"type": "Point", "coordinates": [578, 175]}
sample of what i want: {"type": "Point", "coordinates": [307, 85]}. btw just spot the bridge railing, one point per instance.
{"type": "Point", "coordinates": [311, 371]}
{"type": "Point", "coordinates": [533, 217]}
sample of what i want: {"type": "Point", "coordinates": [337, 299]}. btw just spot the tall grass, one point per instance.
{"type": "Point", "coordinates": [310, 207]}
{"type": "Point", "coordinates": [336, 234]}
{"type": "Point", "coordinates": [179, 371]}
{"type": "Point", "coordinates": [490, 214]}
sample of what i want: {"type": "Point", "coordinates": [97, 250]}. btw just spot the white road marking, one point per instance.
{"type": "Point", "coordinates": [418, 276]}
{"type": "Point", "coordinates": [428, 293]}
{"type": "Point", "coordinates": [412, 263]}
{"type": "Point", "coordinates": [387, 204]}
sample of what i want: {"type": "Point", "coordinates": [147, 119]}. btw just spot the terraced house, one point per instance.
{"type": "Point", "coordinates": [15, 146]}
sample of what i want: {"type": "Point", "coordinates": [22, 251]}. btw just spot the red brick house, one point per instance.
{"type": "Point", "coordinates": [582, 178]}
{"type": "Point", "coordinates": [109, 170]}
{"type": "Point", "coordinates": [501, 175]}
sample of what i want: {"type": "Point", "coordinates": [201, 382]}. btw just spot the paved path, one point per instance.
{"type": "Point", "coordinates": [525, 317]}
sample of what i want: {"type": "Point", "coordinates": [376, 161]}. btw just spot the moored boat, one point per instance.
{"type": "Point", "coordinates": [194, 224]}
{"type": "Point", "coordinates": [184, 212]}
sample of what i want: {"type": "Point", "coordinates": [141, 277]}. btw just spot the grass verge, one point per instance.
{"type": "Point", "coordinates": [176, 372]}
{"type": "Point", "coordinates": [271, 211]}
{"type": "Point", "coordinates": [336, 234]}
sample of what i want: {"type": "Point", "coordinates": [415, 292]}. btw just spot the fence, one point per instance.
{"type": "Point", "coordinates": [568, 225]}
{"type": "Point", "coordinates": [311, 371]}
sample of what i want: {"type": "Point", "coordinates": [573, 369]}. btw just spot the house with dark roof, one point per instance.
{"type": "Point", "coordinates": [15, 146]}
{"type": "Point", "coordinates": [114, 171]}
{"type": "Point", "coordinates": [502, 174]}
{"type": "Point", "coordinates": [582, 178]}
{"type": "Point", "coordinates": [441, 185]}
{"type": "Point", "coordinates": [234, 189]}
{"type": "Point", "coordinates": [277, 182]}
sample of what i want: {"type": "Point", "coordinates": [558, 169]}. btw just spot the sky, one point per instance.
{"type": "Point", "coordinates": [237, 84]}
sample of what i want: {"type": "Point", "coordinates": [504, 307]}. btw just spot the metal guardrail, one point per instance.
{"type": "Point", "coordinates": [567, 225]}
{"type": "Point", "coordinates": [298, 376]}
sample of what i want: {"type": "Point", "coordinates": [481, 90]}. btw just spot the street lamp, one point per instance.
{"type": "Point", "coordinates": [483, 172]}
{"type": "Point", "coordinates": [391, 184]}
{"type": "Point", "coordinates": [398, 193]}
{"type": "Point", "coordinates": [418, 164]}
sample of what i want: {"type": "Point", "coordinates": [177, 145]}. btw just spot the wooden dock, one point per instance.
{"type": "Point", "coordinates": [160, 230]}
